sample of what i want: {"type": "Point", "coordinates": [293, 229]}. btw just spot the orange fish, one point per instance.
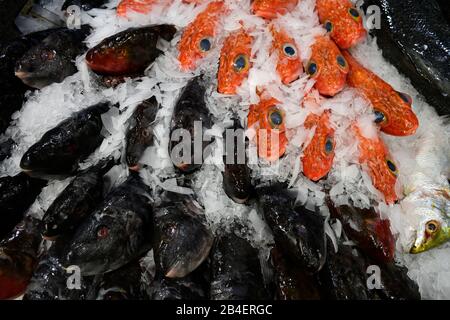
{"type": "Point", "coordinates": [319, 154]}
{"type": "Point", "coordinates": [269, 9]}
{"type": "Point", "coordinates": [392, 109]}
{"type": "Point", "coordinates": [198, 37]}
{"type": "Point", "coordinates": [268, 121]}
{"type": "Point", "coordinates": [342, 21]}
{"type": "Point", "coordinates": [144, 6]}
{"type": "Point", "coordinates": [234, 61]}
{"type": "Point", "coordinates": [327, 66]}
{"type": "Point", "coordinates": [289, 65]}
{"type": "Point", "coordinates": [382, 170]}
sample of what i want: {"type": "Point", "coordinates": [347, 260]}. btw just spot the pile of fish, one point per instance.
{"type": "Point", "coordinates": [136, 216]}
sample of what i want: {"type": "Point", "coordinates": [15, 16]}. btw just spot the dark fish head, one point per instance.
{"type": "Point", "coordinates": [49, 156]}
{"type": "Point", "coordinates": [182, 239]}
{"type": "Point", "coordinates": [41, 66]}
{"type": "Point", "coordinates": [104, 242]}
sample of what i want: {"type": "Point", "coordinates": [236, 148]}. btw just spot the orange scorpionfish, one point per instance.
{"type": "Point", "coordinates": [382, 170]}
{"type": "Point", "coordinates": [319, 154]}
{"type": "Point", "coordinates": [198, 37]}
{"type": "Point", "coordinates": [393, 112]}
{"type": "Point", "coordinates": [144, 6]}
{"type": "Point", "coordinates": [327, 66]}
{"type": "Point", "coordinates": [234, 62]}
{"type": "Point", "coordinates": [341, 19]}
{"type": "Point", "coordinates": [268, 117]}
{"type": "Point", "coordinates": [269, 9]}
{"type": "Point", "coordinates": [289, 65]}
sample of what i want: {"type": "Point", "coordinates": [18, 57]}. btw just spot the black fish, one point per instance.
{"type": "Point", "coordinates": [415, 37]}
{"type": "Point", "coordinates": [236, 270]}
{"type": "Point", "coordinates": [395, 283]}
{"type": "Point", "coordinates": [364, 226]}
{"type": "Point", "coordinates": [236, 175]}
{"type": "Point", "coordinates": [192, 287]}
{"type": "Point", "coordinates": [17, 193]}
{"type": "Point", "coordinates": [50, 280]}
{"type": "Point", "coordinates": [189, 109]}
{"type": "Point", "coordinates": [76, 201]}
{"type": "Point", "coordinates": [297, 231]}
{"type": "Point", "coordinates": [18, 257]}
{"type": "Point", "coordinates": [13, 89]}
{"type": "Point", "coordinates": [60, 149]}
{"type": "Point", "coordinates": [85, 5]}
{"type": "Point", "coordinates": [140, 133]}
{"type": "Point", "coordinates": [292, 282]}
{"type": "Point", "coordinates": [182, 240]}
{"type": "Point", "coordinates": [121, 284]}
{"type": "Point", "coordinates": [128, 52]}
{"type": "Point", "coordinates": [5, 148]}
{"type": "Point", "coordinates": [119, 231]}
{"type": "Point", "coordinates": [52, 60]}
{"type": "Point", "coordinates": [9, 10]}
{"type": "Point", "coordinates": [344, 277]}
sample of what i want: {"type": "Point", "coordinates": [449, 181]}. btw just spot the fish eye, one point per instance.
{"type": "Point", "coordinates": [432, 227]}
{"type": "Point", "coordinates": [392, 167]}
{"type": "Point", "coordinates": [354, 13]}
{"type": "Point", "coordinates": [102, 232]}
{"type": "Point", "coordinates": [240, 63]}
{"type": "Point", "coordinates": [328, 26]}
{"type": "Point", "coordinates": [48, 55]}
{"type": "Point", "coordinates": [312, 68]}
{"type": "Point", "coordinates": [405, 97]}
{"type": "Point", "coordinates": [205, 44]}
{"type": "Point", "coordinates": [289, 50]}
{"type": "Point", "coordinates": [380, 117]}
{"type": "Point", "coordinates": [275, 118]}
{"type": "Point", "coordinates": [341, 61]}
{"type": "Point", "coordinates": [329, 145]}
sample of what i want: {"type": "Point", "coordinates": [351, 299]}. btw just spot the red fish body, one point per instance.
{"type": "Point", "coordinates": [319, 154]}
{"type": "Point", "coordinates": [342, 21]}
{"type": "Point", "coordinates": [144, 6]}
{"type": "Point", "coordinates": [269, 9]}
{"type": "Point", "coordinates": [234, 62]}
{"type": "Point", "coordinates": [392, 109]}
{"type": "Point", "coordinates": [289, 65]}
{"type": "Point", "coordinates": [268, 121]}
{"type": "Point", "coordinates": [382, 170]}
{"type": "Point", "coordinates": [128, 52]}
{"type": "Point", "coordinates": [327, 66]}
{"type": "Point", "coordinates": [198, 37]}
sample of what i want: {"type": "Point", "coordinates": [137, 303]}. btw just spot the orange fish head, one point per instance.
{"type": "Point", "coordinates": [198, 37]}
{"type": "Point", "coordinates": [327, 66]}
{"type": "Point", "coordinates": [394, 115]}
{"type": "Point", "coordinates": [270, 129]}
{"type": "Point", "coordinates": [289, 66]}
{"type": "Point", "coordinates": [382, 169]}
{"type": "Point", "coordinates": [319, 154]}
{"type": "Point", "coordinates": [269, 9]}
{"type": "Point", "coordinates": [342, 21]}
{"type": "Point", "coordinates": [392, 109]}
{"type": "Point", "coordinates": [234, 62]}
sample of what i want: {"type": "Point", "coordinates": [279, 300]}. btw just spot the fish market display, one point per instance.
{"type": "Point", "coordinates": [119, 231]}
{"type": "Point", "coordinates": [18, 257]}
{"type": "Point", "coordinates": [60, 149]}
{"type": "Point", "coordinates": [76, 201]}
{"type": "Point", "coordinates": [182, 241]}
{"type": "Point", "coordinates": [17, 193]}
{"type": "Point", "coordinates": [239, 149]}
{"type": "Point", "coordinates": [415, 38]}
{"type": "Point", "coordinates": [52, 59]}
